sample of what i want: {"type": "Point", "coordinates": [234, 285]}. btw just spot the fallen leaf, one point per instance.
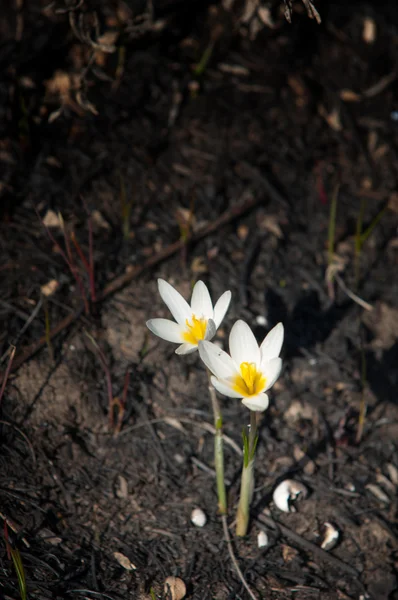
{"type": "Point", "coordinates": [369, 30]}
{"type": "Point", "coordinates": [393, 473]}
{"type": "Point", "coordinates": [382, 321]}
{"type": "Point", "coordinates": [49, 288]}
{"type": "Point", "coordinates": [350, 96]}
{"type": "Point", "coordinates": [124, 561]}
{"type": "Point", "coordinates": [99, 220]}
{"type": "Point", "coordinates": [122, 491]}
{"type": "Point", "coordinates": [51, 219]}
{"type": "Point", "coordinates": [270, 223]}
{"type": "Point", "coordinates": [378, 493]}
{"type": "Point", "coordinates": [288, 553]}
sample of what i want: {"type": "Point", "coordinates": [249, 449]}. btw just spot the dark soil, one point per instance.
{"type": "Point", "coordinates": [130, 136]}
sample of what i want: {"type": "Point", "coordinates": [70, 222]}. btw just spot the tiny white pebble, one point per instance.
{"type": "Point", "coordinates": [72, 347]}
{"type": "Point", "coordinates": [331, 536]}
{"type": "Point", "coordinates": [179, 459]}
{"type": "Point", "coordinates": [198, 517]}
{"type": "Point", "coordinates": [261, 320]}
{"type": "Point", "coordinates": [262, 539]}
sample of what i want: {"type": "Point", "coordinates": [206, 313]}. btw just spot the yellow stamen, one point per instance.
{"type": "Point", "coordinates": [250, 382]}
{"type": "Point", "coordinates": [196, 330]}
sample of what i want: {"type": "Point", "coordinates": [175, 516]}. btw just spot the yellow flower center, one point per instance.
{"type": "Point", "coordinates": [196, 330]}
{"type": "Point", "coordinates": [250, 382]}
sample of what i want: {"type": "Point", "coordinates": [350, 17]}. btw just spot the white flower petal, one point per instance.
{"type": "Point", "coordinates": [221, 308]}
{"type": "Point", "coordinates": [176, 304]}
{"type": "Point", "coordinates": [165, 329]}
{"type": "Point", "coordinates": [272, 344]}
{"type": "Point", "coordinates": [243, 345]}
{"type": "Point", "coordinates": [271, 371]}
{"type": "Point", "coordinates": [211, 330]}
{"type": "Point", "coordinates": [258, 403]}
{"type": "Point", "coordinates": [186, 348]}
{"type": "Point", "coordinates": [201, 303]}
{"type": "Point", "coordinates": [224, 387]}
{"type": "Point", "coordinates": [216, 360]}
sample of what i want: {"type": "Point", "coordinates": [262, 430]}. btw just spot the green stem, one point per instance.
{"type": "Point", "coordinates": [218, 450]}
{"type": "Point", "coordinates": [247, 481]}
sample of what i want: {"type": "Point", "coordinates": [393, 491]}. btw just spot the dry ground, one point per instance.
{"type": "Point", "coordinates": [152, 149]}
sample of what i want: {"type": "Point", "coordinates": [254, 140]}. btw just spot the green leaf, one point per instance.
{"type": "Point", "coordinates": [17, 560]}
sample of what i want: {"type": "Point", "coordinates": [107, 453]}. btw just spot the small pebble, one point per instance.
{"type": "Point", "coordinates": [198, 517]}
{"type": "Point", "coordinates": [262, 539]}
{"type": "Point", "coordinates": [261, 320]}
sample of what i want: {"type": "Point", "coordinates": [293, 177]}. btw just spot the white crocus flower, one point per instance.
{"type": "Point", "coordinates": [250, 370]}
{"type": "Point", "coordinates": [199, 321]}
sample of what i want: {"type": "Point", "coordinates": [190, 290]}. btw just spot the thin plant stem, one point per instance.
{"type": "Point", "coordinates": [91, 272]}
{"type": "Point", "coordinates": [126, 209]}
{"type": "Point", "coordinates": [79, 251]}
{"type": "Point", "coordinates": [218, 450]}
{"type": "Point", "coordinates": [365, 234]}
{"type": "Point", "coordinates": [87, 264]}
{"type": "Point", "coordinates": [48, 330]}
{"type": "Point", "coordinates": [121, 404]}
{"type": "Point", "coordinates": [232, 556]}
{"type": "Point", "coordinates": [68, 258]}
{"type": "Point", "coordinates": [71, 264]}
{"type": "Point", "coordinates": [14, 554]}
{"type": "Point", "coordinates": [358, 242]}
{"type": "Point", "coordinates": [111, 400]}
{"type": "Point", "coordinates": [7, 373]}
{"type": "Point", "coordinates": [363, 404]}
{"type": "Point", "coordinates": [247, 481]}
{"type": "Point", "coordinates": [332, 223]}
{"type": "Point", "coordinates": [351, 294]}
{"type": "Point", "coordinates": [331, 238]}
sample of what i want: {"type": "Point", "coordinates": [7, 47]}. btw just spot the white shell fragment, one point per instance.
{"type": "Point", "coordinates": [198, 517]}
{"type": "Point", "coordinates": [262, 539]}
{"type": "Point", "coordinates": [174, 588]}
{"type": "Point", "coordinates": [287, 492]}
{"type": "Point", "coordinates": [330, 537]}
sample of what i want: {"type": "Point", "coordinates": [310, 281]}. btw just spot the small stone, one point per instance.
{"type": "Point", "coordinates": [262, 539]}
{"type": "Point", "coordinates": [261, 320]}
{"type": "Point", "coordinates": [198, 517]}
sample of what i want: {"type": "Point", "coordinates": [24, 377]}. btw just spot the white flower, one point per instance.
{"type": "Point", "coordinates": [250, 370]}
{"type": "Point", "coordinates": [199, 321]}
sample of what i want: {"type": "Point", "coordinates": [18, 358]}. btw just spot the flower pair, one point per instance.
{"type": "Point", "coordinates": [248, 371]}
